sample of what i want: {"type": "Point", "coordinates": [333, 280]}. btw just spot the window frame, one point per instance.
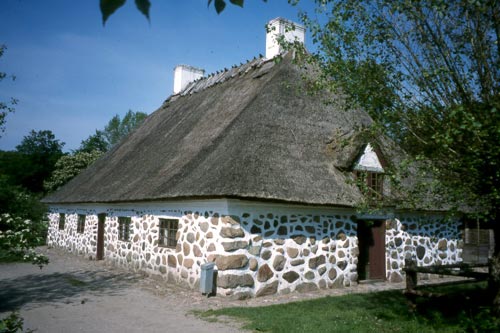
{"type": "Point", "coordinates": [373, 183]}
{"type": "Point", "coordinates": [124, 223]}
{"type": "Point", "coordinates": [167, 232]}
{"type": "Point", "coordinates": [80, 224]}
{"type": "Point", "coordinates": [62, 221]}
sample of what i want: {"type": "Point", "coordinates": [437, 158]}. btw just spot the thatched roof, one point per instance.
{"type": "Point", "coordinates": [250, 132]}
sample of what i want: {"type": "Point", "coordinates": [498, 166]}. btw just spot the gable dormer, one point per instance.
{"type": "Point", "coordinates": [369, 160]}
{"type": "Point", "coordinates": [369, 172]}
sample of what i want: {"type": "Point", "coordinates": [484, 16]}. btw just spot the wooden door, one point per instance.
{"type": "Point", "coordinates": [101, 219]}
{"type": "Point", "coordinates": [377, 251]}
{"type": "Point", "coordinates": [371, 244]}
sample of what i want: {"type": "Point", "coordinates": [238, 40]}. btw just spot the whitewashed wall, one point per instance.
{"type": "Point", "coordinates": [258, 248]}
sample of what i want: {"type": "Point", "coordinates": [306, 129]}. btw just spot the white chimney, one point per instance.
{"type": "Point", "coordinates": [290, 31]}
{"type": "Point", "coordinates": [183, 75]}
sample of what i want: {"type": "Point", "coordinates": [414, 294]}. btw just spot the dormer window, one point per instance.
{"type": "Point", "coordinates": [369, 173]}
{"type": "Point", "coordinates": [371, 183]}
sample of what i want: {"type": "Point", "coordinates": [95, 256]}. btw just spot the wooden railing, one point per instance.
{"type": "Point", "coordinates": [462, 269]}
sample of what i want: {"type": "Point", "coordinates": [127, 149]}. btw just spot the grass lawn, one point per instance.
{"type": "Point", "coordinates": [460, 308]}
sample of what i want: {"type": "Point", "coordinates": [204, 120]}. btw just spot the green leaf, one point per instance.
{"type": "Point", "coordinates": [237, 2]}
{"type": "Point", "coordinates": [219, 6]}
{"type": "Point", "coordinates": [108, 7]}
{"type": "Point", "coordinates": [143, 6]}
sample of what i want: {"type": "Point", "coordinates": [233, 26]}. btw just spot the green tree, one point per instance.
{"type": "Point", "coordinates": [13, 166]}
{"type": "Point", "coordinates": [23, 223]}
{"type": "Point", "coordinates": [95, 142]}
{"type": "Point", "coordinates": [17, 201]}
{"type": "Point", "coordinates": [428, 71]}
{"type": "Point", "coordinates": [39, 152]}
{"type": "Point", "coordinates": [68, 166]}
{"type": "Point", "coordinates": [5, 107]}
{"type": "Point", "coordinates": [118, 128]}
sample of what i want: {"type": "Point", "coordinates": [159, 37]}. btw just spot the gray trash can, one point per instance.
{"type": "Point", "coordinates": [207, 278]}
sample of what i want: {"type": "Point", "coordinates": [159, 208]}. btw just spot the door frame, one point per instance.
{"type": "Point", "coordinates": [371, 249]}
{"type": "Point", "coordinates": [101, 222]}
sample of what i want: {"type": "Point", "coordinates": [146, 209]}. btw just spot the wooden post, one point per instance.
{"type": "Point", "coordinates": [411, 274]}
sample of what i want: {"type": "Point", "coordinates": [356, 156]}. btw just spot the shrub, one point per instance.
{"type": "Point", "coordinates": [18, 237]}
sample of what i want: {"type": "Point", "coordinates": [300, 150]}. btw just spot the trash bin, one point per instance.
{"type": "Point", "coordinates": [207, 278]}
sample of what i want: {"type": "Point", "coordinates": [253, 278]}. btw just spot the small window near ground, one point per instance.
{"type": "Point", "coordinates": [80, 227]}
{"type": "Point", "coordinates": [62, 220]}
{"type": "Point", "coordinates": [168, 232]}
{"type": "Point", "coordinates": [124, 228]}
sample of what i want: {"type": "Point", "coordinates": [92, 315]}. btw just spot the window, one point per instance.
{"type": "Point", "coordinates": [124, 228]}
{"type": "Point", "coordinates": [81, 224]}
{"type": "Point", "coordinates": [62, 219]}
{"type": "Point", "coordinates": [479, 241]}
{"type": "Point", "coordinates": [375, 182]}
{"type": "Point", "coordinates": [168, 232]}
{"type": "Point", "coordinates": [371, 183]}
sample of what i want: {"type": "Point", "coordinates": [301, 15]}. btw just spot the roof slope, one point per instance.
{"type": "Point", "coordinates": [250, 132]}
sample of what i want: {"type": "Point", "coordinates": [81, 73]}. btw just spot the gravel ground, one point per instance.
{"type": "Point", "coordinates": [73, 294]}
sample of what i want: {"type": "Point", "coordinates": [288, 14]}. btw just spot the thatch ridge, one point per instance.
{"type": "Point", "coordinates": [223, 75]}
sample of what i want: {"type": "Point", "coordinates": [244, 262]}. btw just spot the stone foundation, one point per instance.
{"type": "Point", "coordinates": [257, 252]}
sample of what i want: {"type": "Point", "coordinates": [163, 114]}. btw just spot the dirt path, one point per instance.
{"type": "Point", "coordinates": [73, 294]}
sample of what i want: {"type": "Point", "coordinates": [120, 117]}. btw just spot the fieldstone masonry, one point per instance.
{"type": "Point", "coordinates": [80, 243]}
{"type": "Point", "coordinates": [256, 253]}
{"type": "Point", "coordinates": [431, 241]}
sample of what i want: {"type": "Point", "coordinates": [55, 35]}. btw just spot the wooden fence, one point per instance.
{"type": "Point", "coordinates": [462, 269]}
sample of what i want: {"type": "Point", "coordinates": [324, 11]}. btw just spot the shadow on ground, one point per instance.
{"type": "Point", "coordinates": [55, 287]}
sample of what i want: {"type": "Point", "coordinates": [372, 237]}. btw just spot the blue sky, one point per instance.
{"type": "Point", "coordinates": [73, 75]}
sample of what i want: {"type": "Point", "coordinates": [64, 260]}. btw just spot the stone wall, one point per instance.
{"type": "Point", "coordinates": [256, 252]}
{"type": "Point", "coordinates": [80, 243]}
{"type": "Point", "coordinates": [429, 240]}
{"type": "Point", "coordinates": [260, 254]}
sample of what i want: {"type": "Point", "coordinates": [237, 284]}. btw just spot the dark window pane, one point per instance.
{"type": "Point", "coordinates": [370, 183]}
{"type": "Point", "coordinates": [168, 232]}
{"type": "Point", "coordinates": [124, 228]}
{"type": "Point", "coordinates": [80, 224]}
{"type": "Point", "coordinates": [62, 220]}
